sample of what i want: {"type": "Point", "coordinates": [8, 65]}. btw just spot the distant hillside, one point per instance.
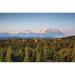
{"type": "Point", "coordinates": [70, 37]}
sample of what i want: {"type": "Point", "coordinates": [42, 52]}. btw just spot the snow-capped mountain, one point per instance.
{"type": "Point", "coordinates": [44, 33]}
{"type": "Point", "coordinates": [49, 30]}
{"type": "Point", "coordinates": [51, 33]}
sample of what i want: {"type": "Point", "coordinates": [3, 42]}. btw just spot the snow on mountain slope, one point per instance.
{"type": "Point", "coordinates": [49, 30]}
{"type": "Point", "coordinates": [51, 33]}
{"type": "Point", "coordinates": [44, 33]}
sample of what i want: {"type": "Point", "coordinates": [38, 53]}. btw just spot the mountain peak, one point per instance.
{"type": "Point", "coordinates": [50, 30]}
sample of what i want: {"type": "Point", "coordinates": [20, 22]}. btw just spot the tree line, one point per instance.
{"type": "Point", "coordinates": [38, 50]}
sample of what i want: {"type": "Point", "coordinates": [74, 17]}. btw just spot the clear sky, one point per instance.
{"type": "Point", "coordinates": [19, 22]}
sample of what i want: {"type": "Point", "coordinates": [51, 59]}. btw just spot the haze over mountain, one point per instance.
{"type": "Point", "coordinates": [43, 33]}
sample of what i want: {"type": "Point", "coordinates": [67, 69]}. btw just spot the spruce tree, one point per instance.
{"type": "Point", "coordinates": [8, 54]}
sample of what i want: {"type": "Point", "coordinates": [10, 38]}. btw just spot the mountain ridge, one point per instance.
{"type": "Point", "coordinates": [44, 33]}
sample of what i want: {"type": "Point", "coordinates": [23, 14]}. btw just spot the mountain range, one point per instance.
{"type": "Point", "coordinates": [44, 33]}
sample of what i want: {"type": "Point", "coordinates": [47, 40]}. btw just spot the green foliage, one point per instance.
{"type": "Point", "coordinates": [38, 50]}
{"type": "Point", "coordinates": [8, 54]}
{"type": "Point", "coordinates": [18, 55]}
{"type": "Point", "coordinates": [26, 58]}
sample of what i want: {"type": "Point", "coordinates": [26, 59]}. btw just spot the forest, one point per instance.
{"type": "Point", "coordinates": [38, 50]}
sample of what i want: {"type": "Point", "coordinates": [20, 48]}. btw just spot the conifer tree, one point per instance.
{"type": "Point", "coordinates": [8, 54]}
{"type": "Point", "coordinates": [26, 58]}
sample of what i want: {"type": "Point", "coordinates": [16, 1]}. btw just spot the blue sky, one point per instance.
{"type": "Point", "coordinates": [19, 22]}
